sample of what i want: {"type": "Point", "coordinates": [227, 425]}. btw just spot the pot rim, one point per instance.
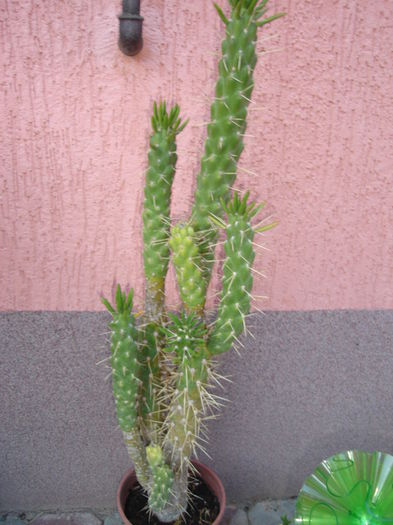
{"type": "Point", "coordinates": [207, 474]}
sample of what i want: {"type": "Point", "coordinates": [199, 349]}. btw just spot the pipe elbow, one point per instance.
{"type": "Point", "coordinates": [130, 28]}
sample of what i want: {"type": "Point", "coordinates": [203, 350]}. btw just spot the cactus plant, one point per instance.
{"type": "Point", "coordinates": [163, 364]}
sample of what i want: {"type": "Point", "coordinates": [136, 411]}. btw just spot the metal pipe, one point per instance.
{"type": "Point", "coordinates": [130, 28]}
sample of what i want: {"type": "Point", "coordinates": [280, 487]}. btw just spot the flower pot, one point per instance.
{"type": "Point", "coordinates": [207, 475]}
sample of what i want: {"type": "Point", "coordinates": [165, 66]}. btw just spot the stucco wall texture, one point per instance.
{"type": "Point", "coordinates": [75, 124]}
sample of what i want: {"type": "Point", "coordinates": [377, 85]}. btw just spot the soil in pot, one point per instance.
{"type": "Point", "coordinates": [203, 506]}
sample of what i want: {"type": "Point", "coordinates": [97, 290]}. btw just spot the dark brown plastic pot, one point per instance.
{"type": "Point", "coordinates": [209, 477]}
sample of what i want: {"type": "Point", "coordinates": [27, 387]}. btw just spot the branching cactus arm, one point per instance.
{"type": "Point", "coordinates": [125, 379]}
{"type": "Point", "coordinates": [237, 279]}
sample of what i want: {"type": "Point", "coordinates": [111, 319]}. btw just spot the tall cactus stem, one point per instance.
{"type": "Point", "coordinates": [224, 142]}
{"type": "Point", "coordinates": [156, 222]}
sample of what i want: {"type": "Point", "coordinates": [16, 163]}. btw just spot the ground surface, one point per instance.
{"type": "Point", "coordinates": [261, 513]}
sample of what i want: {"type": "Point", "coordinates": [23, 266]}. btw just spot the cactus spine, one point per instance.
{"type": "Point", "coordinates": [163, 364]}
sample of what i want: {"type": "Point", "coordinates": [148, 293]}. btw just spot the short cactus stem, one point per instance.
{"type": "Point", "coordinates": [161, 483]}
{"type": "Point", "coordinates": [237, 276]}
{"type": "Point", "coordinates": [124, 360]}
{"type": "Point", "coordinates": [187, 263]}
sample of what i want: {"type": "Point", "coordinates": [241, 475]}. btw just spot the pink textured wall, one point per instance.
{"type": "Point", "coordinates": [75, 123]}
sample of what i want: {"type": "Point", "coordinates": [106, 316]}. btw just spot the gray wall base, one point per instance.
{"type": "Point", "coordinates": [311, 384]}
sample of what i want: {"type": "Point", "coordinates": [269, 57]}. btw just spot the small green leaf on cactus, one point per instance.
{"type": "Point", "coordinates": [217, 221]}
{"type": "Point", "coordinates": [221, 14]}
{"type": "Point", "coordinates": [266, 228]}
{"type": "Point", "coordinates": [108, 305]}
{"type": "Point", "coordinates": [270, 19]}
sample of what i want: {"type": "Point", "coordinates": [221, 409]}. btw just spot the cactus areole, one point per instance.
{"type": "Point", "coordinates": [163, 364]}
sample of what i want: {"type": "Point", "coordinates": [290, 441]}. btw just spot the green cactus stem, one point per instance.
{"type": "Point", "coordinates": [224, 142]}
{"type": "Point", "coordinates": [156, 228]}
{"type": "Point", "coordinates": [156, 223]}
{"type": "Point", "coordinates": [125, 381]}
{"type": "Point", "coordinates": [185, 336]}
{"type": "Point", "coordinates": [237, 275]}
{"type": "Point", "coordinates": [162, 482]}
{"type": "Point", "coordinates": [187, 263]}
